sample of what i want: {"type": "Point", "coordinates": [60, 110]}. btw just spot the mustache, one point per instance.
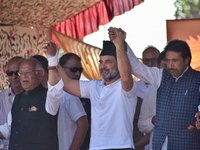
{"type": "Point", "coordinates": [170, 69]}
{"type": "Point", "coordinates": [104, 69]}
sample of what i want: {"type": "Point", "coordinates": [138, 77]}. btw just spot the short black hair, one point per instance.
{"type": "Point", "coordinates": [179, 46]}
{"type": "Point", "coordinates": [161, 57]}
{"type": "Point", "coordinates": [43, 61]}
{"type": "Point", "coordinates": [63, 60]}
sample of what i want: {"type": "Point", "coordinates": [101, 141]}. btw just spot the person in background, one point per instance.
{"type": "Point", "coordinates": [149, 58]}
{"type": "Point", "coordinates": [148, 109]}
{"type": "Point", "coordinates": [113, 99]}
{"type": "Point", "coordinates": [44, 64]}
{"type": "Point", "coordinates": [72, 119]}
{"type": "Point", "coordinates": [74, 72]}
{"type": "Point", "coordinates": [7, 97]}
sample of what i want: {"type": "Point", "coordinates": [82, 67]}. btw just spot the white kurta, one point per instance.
{"type": "Point", "coordinates": [112, 113]}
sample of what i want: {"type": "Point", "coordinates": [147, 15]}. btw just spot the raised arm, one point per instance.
{"type": "Point", "coordinates": [151, 75]}
{"type": "Point", "coordinates": [70, 85]}
{"type": "Point", "coordinates": [55, 84]}
{"type": "Point", "coordinates": [117, 36]}
{"type": "Point", "coordinates": [51, 52]}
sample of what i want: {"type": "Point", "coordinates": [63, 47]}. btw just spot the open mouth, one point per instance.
{"type": "Point", "coordinates": [24, 81]}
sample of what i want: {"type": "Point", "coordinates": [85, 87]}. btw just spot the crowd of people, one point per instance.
{"type": "Point", "coordinates": [48, 107]}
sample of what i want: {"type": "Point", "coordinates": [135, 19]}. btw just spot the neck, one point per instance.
{"type": "Point", "coordinates": [17, 90]}
{"type": "Point", "coordinates": [111, 81]}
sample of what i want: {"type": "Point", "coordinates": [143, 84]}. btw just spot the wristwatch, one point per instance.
{"type": "Point", "coordinates": [52, 67]}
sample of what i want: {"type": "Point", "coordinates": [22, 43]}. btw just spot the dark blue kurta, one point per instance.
{"type": "Point", "coordinates": [176, 106]}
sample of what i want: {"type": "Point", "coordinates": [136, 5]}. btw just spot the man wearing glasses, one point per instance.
{"type": "Point", "coordinates": [7, 96]}
{"type": "Point", "coordinates": [72, 118]}
{"type": "Point", "coordinates": [32, 127]}
{"type": "Point", "coordinates": [149, 58]}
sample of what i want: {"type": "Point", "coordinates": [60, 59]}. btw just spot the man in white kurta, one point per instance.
{"type": "Point", "coordinates": [70, 111]}
{"type": "Point", "coordinates": [113, 99]}
{"type": "Point", "coordinates": [7, 97]}
{"type": "Point", "coordinates": [148, 108]}
{"type": "Point", "coordinates": [147, 112]}
{"type": "Point", "coordinates": [72, 119]}
{"type": "Point", "coordinates": [112, 111]}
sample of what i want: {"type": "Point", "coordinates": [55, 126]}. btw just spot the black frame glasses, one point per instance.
{"type": "Point", "coordinates": [74, 69]}
{"type": "Point", "coordinates": [153, 60]}
{"type": "Point", "coordinates": [10, 73]}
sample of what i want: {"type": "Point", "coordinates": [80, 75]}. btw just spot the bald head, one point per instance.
{"type": "Point", "coordinates": [15, 59]}
{"type": "Point", "coordinates": [12, 73]}
{"type": "Point", "coordinates": [149, 56]}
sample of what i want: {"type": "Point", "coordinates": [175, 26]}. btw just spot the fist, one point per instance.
{"type": "Point", "coordinates": [49, 48]}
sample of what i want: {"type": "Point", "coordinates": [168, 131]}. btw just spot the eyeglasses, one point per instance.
{"type": "Point", "coordinates": [10, 73]}
{"type": "Point", "coordinates": [27, 72]}
{"type": "Point", "coordinates": [153, 60]}
{"type": "Point", "coordinates": [74, 69]}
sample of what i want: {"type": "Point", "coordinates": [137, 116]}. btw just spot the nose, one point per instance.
{"type": "Point", "coordinates": [150, 64]}
{"type": "Point", "coordinates": [14, 75]}
{"type": "Point", "coordinates": [23, 75]}
{"type": "Point", "coordinates": [102, 65]}
{"type": "Point", "coordinates": [169, 64]}
{"type": "Point", "coordinates": [77, 73]}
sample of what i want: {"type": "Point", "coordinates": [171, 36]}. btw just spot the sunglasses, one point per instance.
{"type": "Point", "coordinates": [10, 73]}
{"type": "Point", "coordinates": [74, 69]}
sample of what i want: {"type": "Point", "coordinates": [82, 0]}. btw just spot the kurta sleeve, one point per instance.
{"type": "Point", "coordinates": [151, 75]}
{"type": "Point", "coordinates": [54, 97]}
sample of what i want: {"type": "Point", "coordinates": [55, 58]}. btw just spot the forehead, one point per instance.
{"type": "Point", "coordinates": [107, 57]}
{"type": "Point", "coordinates": [150, 53]}
{"type": "Point", "coordinates": [28, 64]}
{"type": "Point", "coordinates": [73, 61]}
{"type": "Point", "coordinates": [13, 66]}
{"type": "Point", "coordinates": [173, 55]}
{"type": "Point", "coordinates": [13, 63]}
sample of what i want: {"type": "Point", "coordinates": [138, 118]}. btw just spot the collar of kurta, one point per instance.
{"type": "Point", "coordinates": [36, 90]}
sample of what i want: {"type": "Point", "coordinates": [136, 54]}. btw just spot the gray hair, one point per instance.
{"type": "Point", "coordinates": [38, 64]}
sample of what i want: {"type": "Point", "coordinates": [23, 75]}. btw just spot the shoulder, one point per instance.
{"type": "Point", "coordinates": [5, 91]}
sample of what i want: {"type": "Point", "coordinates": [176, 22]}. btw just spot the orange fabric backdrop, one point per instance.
{"type": "Point", "coordinates": [89, 54]}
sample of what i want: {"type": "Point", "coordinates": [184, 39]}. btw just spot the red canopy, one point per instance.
{"type": "Point", "coordinates": [88, 21]}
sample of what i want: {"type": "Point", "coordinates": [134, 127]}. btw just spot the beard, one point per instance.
{"type": "Point", "coordinates": [112, 73]}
